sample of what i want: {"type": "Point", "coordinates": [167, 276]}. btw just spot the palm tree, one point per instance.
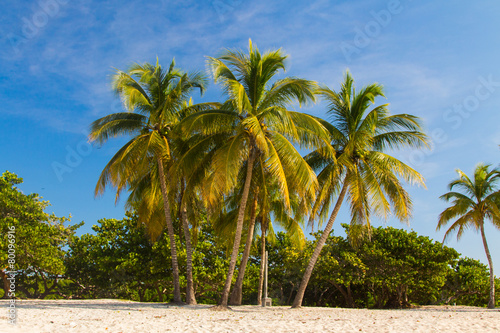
{"type": "Point", "coordinates": [144, 199]}
{"type": "Point", "coordinates": [258, 123]}
{"type": "Point", "coordinates": [477, 200]}
{"type": "Point", "coordinates": [228, 228]}
{"type": "Point", "coordinates": [289, 220]}
{"type": "Point", "coordinates": [154, 99]}
{"type": "Point", "coordinates": [266, 200]}
{"type": "Point", "coordinates": [355, 165]}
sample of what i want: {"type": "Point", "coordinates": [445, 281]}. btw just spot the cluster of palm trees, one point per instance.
{"type": "Point", "coordinates": [239, 160]}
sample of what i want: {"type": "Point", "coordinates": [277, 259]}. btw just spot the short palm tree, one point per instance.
{"type": "Point", "coordinates": [477, 200]}
{"type": "Point", "coordinates": [355, 165]}
{"type": "Point", "coordinates": [258, 122]}
{"type": "Point", "coordinates": [146, 200]}
{"type": "Point", "coordinates": [224, 225]}
{"type": "Point", "coordinates": [154, 98]}
{"type": "Point", "coordinates": [266, 200]}
{"type": "Point", "coordinates": [273, 212]}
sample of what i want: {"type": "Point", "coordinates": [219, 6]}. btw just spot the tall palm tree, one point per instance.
{"type": "Point", "coordinates": [258, 123]}
{"type": "Point", "coordinates": [476, 201]}
{"type": "Point", "coordinates": [355, 165]}
{"type": "Point", "coordinates": [154, 98]}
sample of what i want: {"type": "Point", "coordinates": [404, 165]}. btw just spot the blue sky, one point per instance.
{"type": "Point", "coordinates": [437, 60]}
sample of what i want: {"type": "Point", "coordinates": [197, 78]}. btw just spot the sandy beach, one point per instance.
{"type": "Point", "coordinates": [124, 316]}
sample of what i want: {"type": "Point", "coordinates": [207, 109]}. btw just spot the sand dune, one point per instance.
{"type": "Point", "coordinates": [125, 316]}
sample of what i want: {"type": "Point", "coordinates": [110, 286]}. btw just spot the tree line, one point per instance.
{"type": "Point", "coordinates": [234, 166]}
{"type": "Point", "coordinates": [388, 268]}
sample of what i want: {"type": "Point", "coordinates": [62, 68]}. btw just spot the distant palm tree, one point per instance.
{"type": "Point", "coordinates": [155, 99]}
{"type": "Point", "coordinates": [478, 199]}
{"type": "Point", "coordinates": [355, 165]}
{"type": "Point", "coordinates": [258, 123]}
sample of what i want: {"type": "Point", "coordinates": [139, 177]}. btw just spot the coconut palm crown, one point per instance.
{"type": "Point", "coordinates": [354, 165]}
{"type": "Point", "coordinates": [474, 201]}
{"type": "Point", "coordinates": [260, 127]}
{"type": "Point", "coordinates": [155, 99]}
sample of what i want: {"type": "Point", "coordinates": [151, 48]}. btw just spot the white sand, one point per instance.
{"type": "Point", "coordinates": [123, 316]}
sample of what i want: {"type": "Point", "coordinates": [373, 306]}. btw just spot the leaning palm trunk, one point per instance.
{"type": "Point", "coordinates": [170, 229]}
{"type": "Point", "coordinates": [239, 228]}
{"type": "Point", "coordinates": [237, 293]}
{"type": "Point", "coordinates": [190, 296]}
{"type": "Point", "coordinates": [491, 303]}
{"type": "Point", "coordinates": [297, 303]}
{"type": "Point", "coordinates": [262, 261]}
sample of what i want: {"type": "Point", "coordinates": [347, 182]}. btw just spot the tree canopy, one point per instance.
{"type": "Point", "coordinates": [39, 239]}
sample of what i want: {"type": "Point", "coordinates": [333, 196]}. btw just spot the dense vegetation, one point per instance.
{"type": "Point", "coordinates": [37, 248]}
{"type": "Point", "coordinates": [391, 268]}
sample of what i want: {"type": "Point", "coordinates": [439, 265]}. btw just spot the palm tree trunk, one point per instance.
{"type": "Point", "coordinates": [491, 303]}
{"type": "Point", "coordinates": [239, 228]}
{"type": "Point", "coordinates": [297, 303]}
{"type": "Point", "coordinates": [190, 296]}
{"type": "Point", "coordinates": [170, 229]}
{"type": "Point", "coordinates": [5, 283]}
{"type": "Point", "coordinates": [262, 256]}
{"type": "Point", "coordinates": [237, 293]}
